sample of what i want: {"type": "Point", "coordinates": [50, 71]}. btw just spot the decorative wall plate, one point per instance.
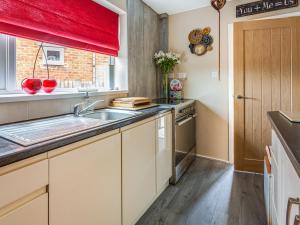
{"type": "Point", "coordinates": [195, 36]}
{"type": "Point", "coordinates": [200, 41]}
{"type": "Point", "coordinates": [200, 49]}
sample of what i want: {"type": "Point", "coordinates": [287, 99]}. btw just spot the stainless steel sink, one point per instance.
{"type": "Point", "coordinates": [33, 132]}
{"type": "Point", "coordinates": [111, 115]}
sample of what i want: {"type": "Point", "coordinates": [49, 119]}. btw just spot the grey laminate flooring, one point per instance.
{"type": "Point", "coordinates": [210, 193]}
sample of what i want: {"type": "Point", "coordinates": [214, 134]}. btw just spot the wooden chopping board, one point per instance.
{"type": "Point", "coordinates": [131, 102]}
{"type": "Point", "coordinates": [136, 108]}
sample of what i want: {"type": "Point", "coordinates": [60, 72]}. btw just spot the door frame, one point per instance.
{"type": "Point", "coordinates": [234, 70]}
{"type": "Point", "coordinates": [231, 81]}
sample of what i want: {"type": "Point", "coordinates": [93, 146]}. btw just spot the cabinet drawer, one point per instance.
{"type": "Point", "coordinates": [21, 182]}
{"type": "Point", "coordinates": [34, 212]}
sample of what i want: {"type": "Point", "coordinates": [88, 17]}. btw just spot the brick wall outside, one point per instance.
{"type": "Point", "coordinates": [78, 65]}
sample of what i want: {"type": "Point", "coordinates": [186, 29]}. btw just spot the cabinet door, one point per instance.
{"type": "Point", "coordinates": [163, 151]}
{"type": "Point", "coordinates": [34, 212]}
{"type": "Point", "coordinates": [85, 185]}
{"type": "Point", "coordinates": [290, 189]}
{"type": "Point", "coordinates": [276, 170]}
{"type": "Point", "coordinates": [138, 168]}
{"type": "Point", "coordinates": [275, 191]}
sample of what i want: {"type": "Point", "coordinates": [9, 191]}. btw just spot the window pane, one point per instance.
{"type": "Point", "coordinates": [72, 68]}
{"type": "Point", "coordinates": [53, 55]}
{"type": "Point", "coordinates": [2, 61]}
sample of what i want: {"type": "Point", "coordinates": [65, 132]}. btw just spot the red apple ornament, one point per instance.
{"type": "Point", "coordinates": [218, 4]}
{"type": "Point", "coordinates": [49, 85]}
{"type": "Point", "coordinates": [31, 85]}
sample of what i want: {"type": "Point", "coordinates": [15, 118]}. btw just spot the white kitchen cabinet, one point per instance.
{"type": "Point", "coordinates": [290, 189]}
{"type": "Point", "coordinates": [34, 212]}
{"type": "Point", "coordinates": [163, 151]}
{"type": "Point", "coordinates": [286, 185]}
{"type": "Point", "coordinates": [23, 196]}
{"type": "Point", "coordinates": [138, 170]}
{"type": "Point", "coordinates": [85, 184]}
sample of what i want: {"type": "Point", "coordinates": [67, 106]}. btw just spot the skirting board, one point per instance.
{"type": "Point", "coordinates": [239, 171]}
{"type": "Point", "coordinates": [220, 160]}
{"type": "Point", "coordinates": [211, 158]}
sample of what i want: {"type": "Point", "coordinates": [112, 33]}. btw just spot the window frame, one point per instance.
{"type": "Point", "coordinates": [10, 65]}
{"type": "Point", "coordinates": [10, 70]}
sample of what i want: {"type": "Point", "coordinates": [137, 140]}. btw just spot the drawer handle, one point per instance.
{"type": "Point", "coordinates": [184, 121]}
{"type": "Point", "coordinates": [291, 202]}
{"type": "Point", "coordinates": [297, 220]}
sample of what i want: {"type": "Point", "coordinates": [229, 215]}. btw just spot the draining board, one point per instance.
{"type": "Point", "coordinates": [33, 132]}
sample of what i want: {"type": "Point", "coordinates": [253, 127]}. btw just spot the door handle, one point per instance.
{"type": "Point", "coordinates": [291, 202]}
{"type": "Point", "coordinates": [242, 97]}
{"type": "Point", "coordinates": [297, 220]}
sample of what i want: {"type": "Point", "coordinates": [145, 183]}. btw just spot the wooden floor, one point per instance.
{"type": "Point", "coordinates": [210, 193]}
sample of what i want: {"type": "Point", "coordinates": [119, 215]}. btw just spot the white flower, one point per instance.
{"type": "Point", "coordinates": [161, 53]}
{"type": "Point", "coordinates": [163, 59]}
{"type": "Point", "coordinates": [169, 55]}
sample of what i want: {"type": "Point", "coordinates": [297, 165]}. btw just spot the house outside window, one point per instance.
{"type": "Point", "coordinates": [73, 69]}
{"type": "Point", "coordinates": [54, 54]}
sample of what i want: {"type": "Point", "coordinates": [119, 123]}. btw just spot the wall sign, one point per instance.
{"type": "Point", "coordinates": [264, 6]}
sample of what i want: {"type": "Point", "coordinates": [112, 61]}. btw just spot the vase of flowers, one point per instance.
{"type": "Point", "coordinates": [166, 62]}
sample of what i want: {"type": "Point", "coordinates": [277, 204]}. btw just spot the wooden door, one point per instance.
{"type": "Point", "coordinates": [138, 171]}
{"type": "Point", "coordinates": [266, 78]}
{"type": "Point", "coordinates": [85, 185]}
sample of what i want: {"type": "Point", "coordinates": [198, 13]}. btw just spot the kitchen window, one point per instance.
{"type": "Point", "coordinates": [73, 69]}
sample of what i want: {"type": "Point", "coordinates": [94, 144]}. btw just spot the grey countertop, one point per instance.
{"type": "Point", "coordinates": [11, 152]}
{"type": "Point", "coordinates": [289, 135]}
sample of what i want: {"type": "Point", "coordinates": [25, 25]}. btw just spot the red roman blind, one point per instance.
{"type": "Point", "coordinates": [81, 24]}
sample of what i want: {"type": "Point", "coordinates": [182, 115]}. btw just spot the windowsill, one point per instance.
{"type": "Point", "coordinates": [22, 97]}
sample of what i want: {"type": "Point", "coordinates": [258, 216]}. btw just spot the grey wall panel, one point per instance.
{"type": "Point", "coordinates": [143, 42]}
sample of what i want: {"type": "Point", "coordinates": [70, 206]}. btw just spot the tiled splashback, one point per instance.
{"type": "Point", "coordinates": [20, 111]}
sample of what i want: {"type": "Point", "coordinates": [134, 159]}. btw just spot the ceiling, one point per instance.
{"type": "Point", "coordinates": [175, 6]}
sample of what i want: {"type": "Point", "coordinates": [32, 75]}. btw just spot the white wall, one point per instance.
{"type": "Point", "coordinates": [119, 3]}
{"type": "Point", "coordinates": [118, 6]}
{"type": "Point", "coordinates": [212, 94]}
